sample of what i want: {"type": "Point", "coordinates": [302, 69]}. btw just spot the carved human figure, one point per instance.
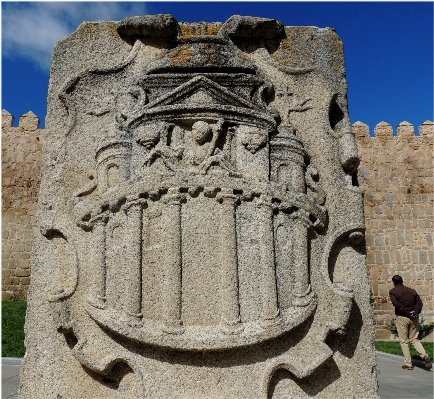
{"type": "Point", "coordinates": [154, 137]}
{"type": "Point", "coordinates": [253, 139]}
{"type": "Point", "coordinates": [205, 151]}
{"type": "Point", "coordinates": [201, 137]}
{"type": "Point", "coordinates": [147, 136]}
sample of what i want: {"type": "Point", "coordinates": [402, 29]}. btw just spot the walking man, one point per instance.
{"type": "Point", "coordinates": [407, 305]}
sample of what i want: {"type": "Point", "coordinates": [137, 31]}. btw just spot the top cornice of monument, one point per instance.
{"type": "Point", "coordinates": [237, 31]}
{"type": "Point", "coordinates": [166, 27]}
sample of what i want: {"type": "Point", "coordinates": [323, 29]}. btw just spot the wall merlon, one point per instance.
{"type": "Point", "coordinates": [427, 128]}
{"type": "Point", "coordinates": [383, 130]}
{"type": "Point", "coordinates": [360, 130]}
{"type": "Point", "coordinates": [29, 122]}
{"type": "Point", "coordinates": [21, 163]}
{"type": "Point", "coordinates": [7, 119]}
{"type": "Point", "coordinates": [395, 174]}
{"type": "Point", "coordinates": [405, 129]}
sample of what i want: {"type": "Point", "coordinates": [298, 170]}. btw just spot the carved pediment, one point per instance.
{"type": "Point", "coordinates": [201, 96]}
{"type": "Point", "coordinates": [198, 89]}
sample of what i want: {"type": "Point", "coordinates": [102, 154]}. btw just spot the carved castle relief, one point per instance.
{"type": "Point", "coordinates": [205, 141]}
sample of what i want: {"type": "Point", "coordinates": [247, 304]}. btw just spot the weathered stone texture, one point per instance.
{"type": "Point", "coordinates": [200, 231]}
{"type": "Point", "coordinates": [396, 174]}
{"type": "Point", "coordinates": [21, 165]}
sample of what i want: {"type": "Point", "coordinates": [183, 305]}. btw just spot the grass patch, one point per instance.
{"type": "Point", "coordinates": [13, 315]}
{"type": "Point", "coordinates": [395, 348]}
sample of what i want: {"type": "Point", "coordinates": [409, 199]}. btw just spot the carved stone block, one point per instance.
{"type": "Point", "coordinates": [200, 230]}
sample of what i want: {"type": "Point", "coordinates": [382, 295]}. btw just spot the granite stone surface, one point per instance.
{"type": "Point", "coordinates": [200, 232]}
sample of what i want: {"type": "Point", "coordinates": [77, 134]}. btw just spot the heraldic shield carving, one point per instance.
{"type": "Point", "coordinates": [196, 150]}
{"type": "Point", "coordinates": [195, 202]}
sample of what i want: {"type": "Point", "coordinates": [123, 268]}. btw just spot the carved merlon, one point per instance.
{"type": "Point", "coordinates": [199, 205]}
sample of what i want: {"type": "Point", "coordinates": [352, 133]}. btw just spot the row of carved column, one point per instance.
{"type": "Point", "coordinates": [171, 267]}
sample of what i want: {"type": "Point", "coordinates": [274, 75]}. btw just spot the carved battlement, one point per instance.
{"type": "Point", "coordinates": [384, 130]}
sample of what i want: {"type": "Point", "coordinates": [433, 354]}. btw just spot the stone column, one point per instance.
{"type": "Point", "coordinates": [230, 308]}
{"type": "Point", "coordinates": [97, 296]}
{"type": "Point", "coordinates": [302, 287]}
{"type": "Point", "coordinates": [132, 295]}
{"type": "Point", "coordinates": [270, 309]}
{"type": "Point", "coordinates": [172, 263]}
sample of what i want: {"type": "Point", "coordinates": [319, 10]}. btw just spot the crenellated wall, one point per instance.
{"type": "Point", "coordinates": [21, 164]}
{"type": "Point", "coordinates": [396, 174]}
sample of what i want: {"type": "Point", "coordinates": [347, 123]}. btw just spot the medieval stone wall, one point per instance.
{"type": "Point", "coordinates": [21, 164]}
{"type": "Point", "coordinates": [395, 173]}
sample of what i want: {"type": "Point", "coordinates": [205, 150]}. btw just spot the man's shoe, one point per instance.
{"type": "Point", "coordinates": [428, 363]}
{"type": "Point", "coordinates": [405, 367]}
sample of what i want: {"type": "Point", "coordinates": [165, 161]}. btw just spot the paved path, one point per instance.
{"type": "Point", "coordinates": [394, 382]}
{"type": "Point", "coordinates": [10, 377]}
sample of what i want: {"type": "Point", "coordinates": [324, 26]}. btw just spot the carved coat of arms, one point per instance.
{"type": "Point", "coordinates": [200, 219]}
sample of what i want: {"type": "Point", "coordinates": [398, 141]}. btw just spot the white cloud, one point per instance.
{"type": "Point", "coordinates": [29, 30]}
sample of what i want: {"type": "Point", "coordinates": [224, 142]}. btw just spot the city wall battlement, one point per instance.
{"type": "Point", "coordinates": [21, 165]}
{"type": "Point", "coordinates": [395, 173]}
{"type": "Point", "coordinates": [384, 130]}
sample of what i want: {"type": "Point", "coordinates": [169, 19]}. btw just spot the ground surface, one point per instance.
{"type": "Point", "coordinates": [394, 382]}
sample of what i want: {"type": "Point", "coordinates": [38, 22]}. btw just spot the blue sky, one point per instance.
{"type": "Point", "coordinates": [388, 47]}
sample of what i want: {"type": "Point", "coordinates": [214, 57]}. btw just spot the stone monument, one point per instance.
{"type": "Point", "coordinates": [200, 229]}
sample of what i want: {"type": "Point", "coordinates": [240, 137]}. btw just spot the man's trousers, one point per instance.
{"type": "Point", "coordinates": [408, 331]}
